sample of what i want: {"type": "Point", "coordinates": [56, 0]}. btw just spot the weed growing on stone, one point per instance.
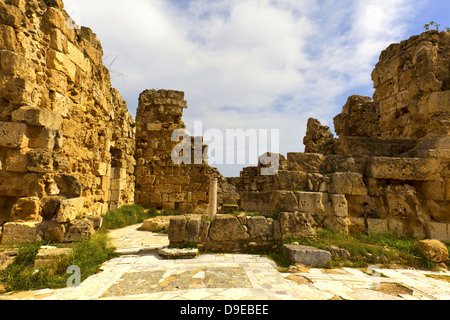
{"type": "Point", "coordinates": [88, 255]}
{"type": "Point", "coordinates": [123, 217]}
{"type": "Point", "coordinates": [367, 249]}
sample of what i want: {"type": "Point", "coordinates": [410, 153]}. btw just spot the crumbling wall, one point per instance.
{"type": "Point", "coordinates": [172, 172]}
{"type": "Point", "coordinates": [66, 137]}
{"type": "Point", "coordinates": [389, 168]}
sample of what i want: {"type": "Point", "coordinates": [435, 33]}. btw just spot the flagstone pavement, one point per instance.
{"type": "Point", "coordinates": [141, 274]}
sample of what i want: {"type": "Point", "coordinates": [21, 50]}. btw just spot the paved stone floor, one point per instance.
{"type": "Point", "coordinates": [141, 274]}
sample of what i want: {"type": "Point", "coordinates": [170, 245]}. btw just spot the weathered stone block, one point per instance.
{"type": "Point", "coordinates": [77, 57]}
{"type": "Point", "coordinates": [434, 190]}
{"type": "Point", "coordinates": [339, 205]}
{"type": "Point", "coordinates": [285, 200]}
{"type": "Point", "coordinates": [69, 185]}
{"type": "Point", "coordinates": [438, 102]}
{"type": "Point", "coordinates": [297, 224]}
{"type": "Point", "coordinates": [16, 160]}
{"type": "Point", "coordinates": [69, 209]}
{"type": "Point", "coordinates": [433, 249]}
{"type": "Point", "coordinates": [438, 231]}
{"type": "Point", "coordinates": [45, 138]}
{"type": "Point", "coordinates": [100, 169]}
{"type": "Point", "coordinates": [38, 117]}
{"type": "Point", "coordinates": [313, 203]}
{"type": "Point", "coordinates": [357, 225]}
{"type": "Point", "coordinates": [412, 228]}
{"type": "Point", "coordinates": [39, 160]}
{"type": "Point", "coordinates": [51, 231]}
{"type": "Point", "coordinates": [8, 38]}
{"type": "Point", "coordinates": [259, 227]}
{"type": "Point", "coordinates": [306, 162]}
{"type": "Point", "coordinates": [79, 230]}
{"type": "Point", "coordinates": [26, 209]}
{"type": "Point", "coordinates": [415, 169]}
{"type": "Point", "coordinates": [13, 135]}
{"type": "Point", "coordinates": [204, 231]}
{"type": "Point", "coordinates": [308, 256]}
{"type": "Point", "coordinates": [348, 183]}
{"type": "Point", "coordinates": [227, 228]}
{"type": "Point", "coordinates": [16, 65]}
{"type": "Point", "coordinates": [377, 226]}
{"type": "Point", "coordinates": [173, 253]}
{"type": "Point", "coordinates": [291, 180]}
{"type": "Point", "coordinates": [365, 206]}
{"type": "Point", "coordinates": [337, 224]}
{"type": "Point", "coordinates": [61, 62]}
{"type": "Point", "coordinates": [18, 232]}
{"type": "Point", "coordinates": [118, 184]}
{"type": "Point", "coordinates": [193, 230]}
{"type": "Point", "coordinates": [51, 255]}
{"type": "Point", "coordinates": [177, 229]}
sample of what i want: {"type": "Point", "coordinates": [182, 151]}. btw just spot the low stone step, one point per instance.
{"type": "Point", "coordinates": [172, 253]}
{"type": "Point", "coordinates": [308, 256]}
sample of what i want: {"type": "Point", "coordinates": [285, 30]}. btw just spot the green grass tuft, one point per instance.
{"type": "Point", "coordinates": [123, 217]}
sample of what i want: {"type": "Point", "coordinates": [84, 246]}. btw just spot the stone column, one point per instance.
{"type": "Point", "coordinates": [212, 209]}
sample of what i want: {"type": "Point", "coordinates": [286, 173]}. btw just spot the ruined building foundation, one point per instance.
{"type": "Point", "coordinates": [70, 151]}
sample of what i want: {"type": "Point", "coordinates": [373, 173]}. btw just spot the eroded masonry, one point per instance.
{"type": "Point", "coordinates": [70, 151]}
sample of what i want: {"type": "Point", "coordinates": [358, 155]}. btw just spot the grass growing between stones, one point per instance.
{"type": "Point", "coordinates": [123, 217]}
{"type": "Point", "coordinates": [365, 250]}
{"type": "Point", "coordinates": [88, 255]}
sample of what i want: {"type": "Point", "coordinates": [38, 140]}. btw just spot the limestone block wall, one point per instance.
{"type": "Point", "coordinates": [227, 233]}
{"type": "Point", "coordinates": [412, 85]}
{"type": "Point", "coordinates": [66, 137]}
{"type": "Point", "coordinates": [162, 182]}
{"type": "Point", "coordinates": [389, 168]}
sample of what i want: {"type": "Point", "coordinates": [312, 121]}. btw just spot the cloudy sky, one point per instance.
{"type": "Point", "coordinates": [252, 64]}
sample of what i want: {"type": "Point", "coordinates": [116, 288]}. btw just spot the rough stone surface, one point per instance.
{"type": "Point", "coordinates": [225, 228]}
{"type": "Point", "coordinates": [66, 134]}
{"type": "Point", "coordinates": [171, 253]}
{"type": "Point", "coordinates": [308, 256]}
{"type": "Point", "coordinates": [297, 224]}
{"type": "Point", "coordinates": [172, 171]}
{"type": "Point", "coordinates": [319, 138]}
{"type": "Point", "coordinates": [18, 232]}
{"type": "Point", "coordinates": [390, 161]}
{"type": "Point", "coordinates": [433, 249]}
{"type": "Point", "coordinates": [48, 255]}
{"type": "Point", "coordinates": [64, 131]}
{"type": "Point", "coordinates": [79, 230]}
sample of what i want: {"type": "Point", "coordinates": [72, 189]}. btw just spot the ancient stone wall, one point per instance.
{"type": "Point", "coordinates": [172, 171]}
{"type": "Point", "coordinates": [389, 168]}
{"type": "Point", "coordinates": [66, 137]}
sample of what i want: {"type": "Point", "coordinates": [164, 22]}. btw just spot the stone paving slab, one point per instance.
{"type": "Point", "coordinates": [235, 277]}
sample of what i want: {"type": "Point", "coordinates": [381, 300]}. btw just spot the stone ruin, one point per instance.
{"type": "Point", "coordinates": [161, 183]}
{"type": "Point", "coordinates": [70, 151]}
{"type": "Point", "coordinates": [389, 170]}
{"type": "Point", "coordinates": [67, 140]}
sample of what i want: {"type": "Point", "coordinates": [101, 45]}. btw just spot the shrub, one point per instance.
{"type": "Point", "coordinates": [123, 217]}
{"type": "Point", "coordinates": [88, 255]}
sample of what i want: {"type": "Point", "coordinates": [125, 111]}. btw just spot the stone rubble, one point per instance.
{"type": "Point", "coordinates": [66, 136]}
{"type": "Point", "coordinates": [388, 170]}
{"type": "Point", "coordinates": [70, 151]}
{"type": "Point", "coordinates": [135, 276]}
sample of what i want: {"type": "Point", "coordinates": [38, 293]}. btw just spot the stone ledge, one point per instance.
{"type": "Point", "coordinates": [308, 256]}
{"type": "Point", "coordinates": [172, 253]}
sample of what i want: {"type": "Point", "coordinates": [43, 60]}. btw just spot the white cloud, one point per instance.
{"type": "Point", "coordinates": [247, 63]}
